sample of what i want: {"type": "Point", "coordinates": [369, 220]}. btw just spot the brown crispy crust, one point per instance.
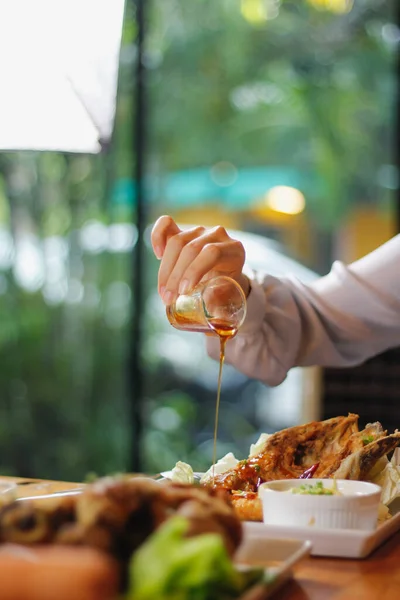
{"type": "Point", "coordinates": [117, 514]}
{"type": "Point", "coordinates": [332, 448]}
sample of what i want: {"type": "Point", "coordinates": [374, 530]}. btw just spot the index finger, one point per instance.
{"type": "Point", "coordinates": [164, 228]}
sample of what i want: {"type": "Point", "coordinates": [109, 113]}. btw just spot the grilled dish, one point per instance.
{"type": "Point", "coordinates": [331, 448]}
{"type": "Point", "coordinates": [115, 538]}
{"type": "Point", "coordinates": [117, 514]}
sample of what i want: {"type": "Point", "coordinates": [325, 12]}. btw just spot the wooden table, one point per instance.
{"type": "Point", "coordinates": [37, 487]}
{"type": "Point", "coordinates": [374, 578]}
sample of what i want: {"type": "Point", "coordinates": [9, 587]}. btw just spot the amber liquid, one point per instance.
{"type": "Point", "coordinates": [190, 322]}
{"type": "Point", "coordinates": [225, 333]}
{"type": "Point", "coordinates": [187, 322]}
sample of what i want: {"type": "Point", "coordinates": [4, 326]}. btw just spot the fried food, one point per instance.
{"type": "Point", "coordinates": [28, 523]}
{"type": "Point", "coordinates": [248, 506]}
{"type": "Point", "coordinates": [361, 462]}
{"type": "Point", "coordinates": [117, 514]}
{"type": "Point", "coordinates": [321, 449]}
{"type": "Point", "coordinates": [322, 446]}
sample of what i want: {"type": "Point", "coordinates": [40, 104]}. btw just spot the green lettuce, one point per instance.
{"type": "Point", "coordinates": [170, 566]}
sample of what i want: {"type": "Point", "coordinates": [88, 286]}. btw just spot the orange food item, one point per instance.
{"type": "Point", "coordinates": [56, 573]}
{"type": "Point", "coordinates": [247, 506]}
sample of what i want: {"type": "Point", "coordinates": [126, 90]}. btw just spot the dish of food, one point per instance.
{"type": "Point", "coordinates": [134, 520]}
{"type": "Point", "coordinates": [134, 537]}
{"type": "Point", "coordinates": [326, 449]}
{"type": "Point", "coordinates": [334, 448]}
{"type": "Point", "coordinates": [326, 503]}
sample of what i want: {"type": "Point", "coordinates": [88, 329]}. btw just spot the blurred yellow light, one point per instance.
{"type": "Point", "coordinates": [285, 199]}
{"type": "Point", "coordinates": [335, 6]}
{"type": "Point", "coordinates": [254, 11]}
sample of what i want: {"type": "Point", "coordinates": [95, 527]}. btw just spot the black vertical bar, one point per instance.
{"type": "Point", "coordinates": [136, 378]}
{"type": "Point", "coordinates": [397, 124]}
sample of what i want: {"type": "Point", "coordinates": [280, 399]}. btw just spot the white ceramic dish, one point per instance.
{"type": "Point", "coordinates": [276, 556]}
{"type": "Point", "coordinates": [355, 506]}
{"type": "Point", "coordinates": [341, 543]}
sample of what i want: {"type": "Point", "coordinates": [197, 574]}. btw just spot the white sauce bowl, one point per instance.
{"type": "Point", "coordinates": [355, 508]}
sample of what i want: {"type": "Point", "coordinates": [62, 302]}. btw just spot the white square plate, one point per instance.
{"type": "Point", "coordinates": [344, 543]}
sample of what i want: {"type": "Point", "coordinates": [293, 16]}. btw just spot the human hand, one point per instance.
{"type": "Point", "coordinates": [196, 254]}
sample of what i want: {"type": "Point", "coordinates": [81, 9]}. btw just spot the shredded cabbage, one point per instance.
{"type": "Point", "coordinates": [388, 478]}
{"type": "Point", "coordinates": [182, 473]}
{"type": "Point", "coordinates": [259, 445]}
{"type": "Point", "coordinates": [229, 461]}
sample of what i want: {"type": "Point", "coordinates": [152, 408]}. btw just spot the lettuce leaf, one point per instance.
{"type": "Point", "coordinates": [170, 566]}
{"type": "Point", "coordinates": [388, 478]}
{"type": "Point", "coordinates": [229, 461]}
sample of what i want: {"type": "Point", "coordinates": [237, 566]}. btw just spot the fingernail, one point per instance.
{"type": "Point", "coordinates": [184, 286]}
{"type": "Point", "coordinates": [168, 298]}
{"type": "Point", "coordinates": [158, 252]}
{"type": "Point", "coordinates": [162, 290]}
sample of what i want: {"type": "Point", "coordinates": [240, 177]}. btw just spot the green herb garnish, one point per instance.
{"type": "Point", "coordinates": [316, 489]}
{"type": "Point", "coordinates": [367, 439]}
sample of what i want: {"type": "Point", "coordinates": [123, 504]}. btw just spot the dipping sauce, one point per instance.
{"type": "Point", "coordinates": [317, 489]}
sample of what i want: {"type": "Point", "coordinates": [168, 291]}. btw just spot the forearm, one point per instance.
{"type": "Point", "coordinates": [344, 318]}
{"type": "Point", "coordinates": [266, 346]}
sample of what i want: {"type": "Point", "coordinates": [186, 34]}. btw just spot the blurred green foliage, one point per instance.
{"type": "Point", "coordinates": [307, 89]}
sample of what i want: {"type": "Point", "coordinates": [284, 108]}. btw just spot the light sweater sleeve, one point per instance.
{"type": "Point", "coordinates": [342, 319]}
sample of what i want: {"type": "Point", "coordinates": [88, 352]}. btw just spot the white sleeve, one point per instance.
{"type": "Point", "coordinates": [342, 319]}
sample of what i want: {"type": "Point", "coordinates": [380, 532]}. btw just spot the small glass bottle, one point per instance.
{"type": "Point", "coordinates": [214, 306]}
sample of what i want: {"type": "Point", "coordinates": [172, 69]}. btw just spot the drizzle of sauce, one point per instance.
{"type": "Point", "coordinates": [225, 332]}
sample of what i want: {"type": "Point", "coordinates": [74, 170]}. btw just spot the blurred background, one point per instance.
{"type": "Point", "coordinates": [276, 119]}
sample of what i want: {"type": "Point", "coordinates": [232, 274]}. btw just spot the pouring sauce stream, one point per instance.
{"type": "Point", "coordinates": [225, 332]}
